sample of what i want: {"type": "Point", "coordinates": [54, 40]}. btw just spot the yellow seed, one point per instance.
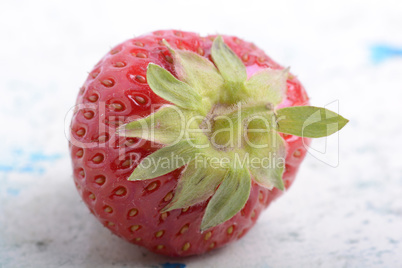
{"type": "Point", "coordinates": [212, 245]}
{"type": "Point", "coordinates": [159, 233]}
{"type": "Point", "coordinates": [138, 239]}
{"type": "Point", "coordinates": [80, 153]}
{"type": "Point", "coordinates": [184, 229]}
{"type": "Point", "coordinates": [133, 212]}
{"type": "Point", "coordinates": [98, 158]}
{"type": "Point", "coordinates": [168, 197]}
{"type": "Point", "coordinates": [100, 180]}
{"type": "Point", "coordinates": [152, 186]}
{"type": "Point", "coordinates": [207, 236]}
{"type": "Point", "coordinates": [121, 191]}
{"type": "Point", "coordinates": [92, 196]}
{"type": "Point", "coordinates": [260, 196]}
{"type": "Point", "coordinates": [135, 228]}
{"type": "Point", "coordinates": [186, 246]}
{"type": "Point", "coordinates": [110, 223]}
{"type": "Point", "coordinates": [164, 216]}
{"type": "Point", "coordinates": [253, 214]}
{"type": "Point", "coordinates": [230, 229]}
{"type": "Point", "coordinates": [126, 163]}
{"type": "Point", "coordinates": [89, 114]}
{"type": "Point", "coordinates": [108, 209]}
{"type": "Point", "coordinates": [81, 132]}
{"type": "Point", "coordinates": [297, 153]}
{"type": "Point", "coordinates": [241, 234]}
{"type": "Point", "coordinates": [159, 247]}
{"type": "Point", "coordinates": [185, 209]}
{"type": "Point", "coordinates": [93, 98]}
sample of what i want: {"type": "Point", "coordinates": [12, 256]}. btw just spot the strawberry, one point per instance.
{"type": "Point", "coordinates": [154, 155]}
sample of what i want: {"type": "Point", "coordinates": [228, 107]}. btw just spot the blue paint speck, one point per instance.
{"type": "Point", "coordinates": [27, 162]}
{"type": "Point", "coordinates": [380, 53]}
{"type": "Point", "coordinates": [39, 156]}
{"type": "Point", "coordinates": [173, 265]}
{"type": "Point", "coordinates": [13, 191]}
{"type": "Point", "coordinates": [5, 168]}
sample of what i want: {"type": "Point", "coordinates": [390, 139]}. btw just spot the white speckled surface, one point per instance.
{"type": "Point", "coordinates": [347, 216]}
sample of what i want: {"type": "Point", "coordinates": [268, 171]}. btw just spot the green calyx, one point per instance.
{"type": "Point", "coordinates": [223, 128]}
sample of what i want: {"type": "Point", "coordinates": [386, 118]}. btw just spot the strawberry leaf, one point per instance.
{"type": "Point", "coordinates": [163, 161]}
{"type": "Point", "coordinates": [229, 65]}
{"type": "Point", "coordinates": [268, 170]}
{"type": "Point", "coordinates": [165, 126]}
{"type": "Point", "coordinates": [229, 199]}
{"type": "Point", "coordinates": [197, 71]}
{"type": "Point", "coordinates": [268, 85]}
{"type": "Point", "coordinates": [165, 85]}
{"type": "Point", "coordinates": [196, 184]}
{"type": "Point", "coordinates": [309, 121]}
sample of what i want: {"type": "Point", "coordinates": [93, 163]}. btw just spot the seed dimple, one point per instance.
{"type": "Point", "coordinates": [186, 246]}
{"type": "Point", "coordinates": [141, 55]}
{"type": "Point", "coordinates": [184, 229]}
{"type": "Point", "coordinates": [164, 215]}
{"type": "Point", "coordinates": [79, 153]}
{"type": "Point", "coordinates": [114, 51]}
{"type": "Point", "coordinates": [140, 100]}
{"type": "Point", "coordinates": [140, 79]}
{"type": "Point", "coordinates": [116, 106]}
{"type": "Point", "coordinates": [103, 138]}
{"type": "Point", "coordinates": [91, 196]}
{"type": "Point", "coordinates": [152, 186]}
{"type": "Point", "coordinates": [119, 64]}
{"type": "Point", "coordinates": [98, 158]}
{"type": "Point", "coordinates": [100, 180]}
{"type": "Point", "coordinates": [108, 209]}
{"type": "Point", "coordinates": [212, 245]}
{"type": "Point", "coordinates": [200, 51]}
{"type": "Point", "coordinates": [297, 153]}
{"type": "Point", "coordinates": [260, 196]}
{"type": "Point", "coordinates": [108, 82]}
{"type": "Point", "coordinates": [185, 209]}
{"type": "Point", "coordinates": [177, 33]}
{"type": "Point", "coordinates": [139, 44]}
{"type": "Point", "coordinates": [168, 59]}
{"type": "Point", "coordinates": [207, 236]}
{"type": "Point", "coordinates": [89, 114]}
{"type": "Point", "coordinates": [133, 212]}
{"type": "Point", "coordinates": [93, 98]}
{"type": "Point", "coordinates": [135, 228]}
{"type": "Point", "coordinates": [81, 173]}
{"type": "Point", "coordinates": [127, 163]}
{"type": "Point", "coordinates": [120, 191]}
{"type": "Point", "coordinates": [159, 247]}
{"type": "Point", "coordinates": [80, 132]}
{"type": "Point", "coordinates": [94, 74]}
{"type": "Point", "coordinates": [261, 59]}
{"type": "Point", "coordinates": [168, 197]}
{"type": "Point", "coordinates": [230, 230]}
{"type": "Point", "coordinates": [159, 233]}
{"type": "Point", "coordinates": [110, 223]}
{"type": "Point", "coordinates": [253, 214]}
{"type": "Point", "coordinates": [138, 239]}
{"type": "Point", "coordinates": [245, 57]}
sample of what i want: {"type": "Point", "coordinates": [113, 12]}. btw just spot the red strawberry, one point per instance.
{"type": "Point", "coordinates": [169, 209]}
